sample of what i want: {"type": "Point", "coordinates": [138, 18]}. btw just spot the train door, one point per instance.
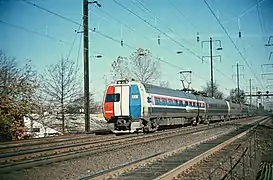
{"type": "Point", "coordinates": [121, 107]}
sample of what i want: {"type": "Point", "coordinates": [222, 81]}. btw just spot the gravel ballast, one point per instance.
{"type": "Point", "coordinates": [244, 155]}
{"type": "Point", "coordinates": [76, 168]}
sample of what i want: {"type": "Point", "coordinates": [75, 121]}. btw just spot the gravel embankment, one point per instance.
{"type": "Point", "coordinates": [76, 168]}
{"type": "Point", "coordinates": [254, 146]}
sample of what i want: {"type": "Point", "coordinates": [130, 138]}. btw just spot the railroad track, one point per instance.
{"type": "Point", "coordinates": [16, 157]}
{"type": "Point", "coordinates": [32, 155]}
{"type": "Point", "coordinates": [169, 165]}
{"type": "Point", "coordinates": [40, 156]}
{"type": "Point", "coordinates": [67, 138]}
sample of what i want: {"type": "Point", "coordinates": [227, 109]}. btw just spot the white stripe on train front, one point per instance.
{"type": "Point", "coordinates": [117, 110]}
{"type": "Point", "coordinates": [121, 107]}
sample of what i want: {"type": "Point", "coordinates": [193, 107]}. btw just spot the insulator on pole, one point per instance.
{"type": "Point", "coordinates": [121, 41]}
{"type": "Point", "coordinates": [158, 40]}
{"type": "Point", "coordinates": [198, 37]}
{"type": "Point", "coordinates": [239, 27]}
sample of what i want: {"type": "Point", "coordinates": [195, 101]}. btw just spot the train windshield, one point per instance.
{"type": "Point", "coordinates": [112, 97]}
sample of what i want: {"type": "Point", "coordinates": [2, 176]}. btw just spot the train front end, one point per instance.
{"type": "Point", "coordinates": [122, 107]}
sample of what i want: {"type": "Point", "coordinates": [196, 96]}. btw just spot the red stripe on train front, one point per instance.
{"type": "Point", "coordinates": [109, 106]}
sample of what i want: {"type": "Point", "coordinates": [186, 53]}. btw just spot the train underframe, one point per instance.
{"type": "Point", "coordinates": [152, 124]}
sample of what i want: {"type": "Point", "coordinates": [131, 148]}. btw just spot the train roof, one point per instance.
{"type": "Point", "coordinates": [213, 100]}
{"type": "Point", "coordinates": [150, 88]}
{"type": "Point", "coordinates": [178, 93]}
{"type": "Point", "coordinates": [167, 91]}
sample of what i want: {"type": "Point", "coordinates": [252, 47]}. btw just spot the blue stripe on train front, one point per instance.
{"type": "Point", "coordinates": [135, 101]}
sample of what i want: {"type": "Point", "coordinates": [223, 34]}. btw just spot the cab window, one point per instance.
{"type": "Point", "coordinates": [112, 97]}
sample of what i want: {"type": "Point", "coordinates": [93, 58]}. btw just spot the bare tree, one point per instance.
{"type": "Point", "coordinates": [120, 68]}
{"type": "Point", "coordinates": [78, 103]}
{"type": "Point", "coordinates": [107, 79]}
{"type": "Point", "coordinates": [144, 68]}
{"type": "Point", "coordinates": [139, 66]}
{"type": "Point", "coordinates": [164, 83]}
{"type": "Point", "coordinates": [17, 85]}
{"type": "Point", "coordinates": [61, 83]}
{"type": "Point", "coordinates": [235, 97]}
{"type": "Point", "coordinates": [217, 94]}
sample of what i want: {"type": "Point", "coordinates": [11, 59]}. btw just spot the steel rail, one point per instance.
{"type": "Point", "coordinates": [79, 150]}
{"type": "Point", "coordinates": [110, 145]}
{"type": "Point", "coordinates": [128, 167]}
{"type": "Point", "coordinates": [175, 172]}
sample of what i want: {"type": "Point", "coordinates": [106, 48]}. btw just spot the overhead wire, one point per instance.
{"type": "Point", "coordinates": [152, 15]}
{"type": "Point", "coordinates": [133, 30]}
{"type": "Point", "coordinates": [34, 32]}
{"type": "Point", "coordinates": [175, 66]}
{"type": "Point", "coordinates": [193, 25]}
{"type": "Point", "coordinates": [244, 13]}
{"type": "Point", "coordinates": [145, 37]}
{"type": "Point", "coordinates": [177, 42]}
{"type": "Point", "coordinates": [172, 39]}
{"type": "Point", "coordinates": [261, 26]}
{"type": "Point", "coordinates": [240, 40]}
{"type": "Point", "coordinates": [72, 21]}
{"type": "Point", "coordinates": [224, 29]}
{"type": "Point", "coordinates": [72, 45]}
{"type": "Point", "coordinates": [182, 14]}
{"type": "Point", "coordinates": [105, 35]}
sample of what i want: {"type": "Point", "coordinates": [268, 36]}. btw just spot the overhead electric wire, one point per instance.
{"type": "Point", "coordinates": [133, 30]}
{"type": "Point", "coordinates": [182, 14]}
{"type": "Point", "coordinates": [125, 25]}
{"type": "Point", "coordinates": [224, 29]}
{"type": "Point", "coordinates": [107, 36]}
{"type": "Point", "coordinates": [33, 32]}
{"type": "Point", "coordinates": [245, 12]}
{"type": "Point", "coordinates": [117, 20]}
{"type": "Point", "coordinates": [194, 26]}
{"type": "Point", "coordinates": [78, 56]}
{"type": "Point", "coordinates": [262, 26]}
{"type": "Point", "coordinates": [152, 15]}
{"type": "Point", "coordinates": [74, 40]}
{"type": "Point", "coordinates": [177, 42]}
{"type": "Point", "coordinates": [104, 35]}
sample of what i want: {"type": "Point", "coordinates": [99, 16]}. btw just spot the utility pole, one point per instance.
{"type": "Point", "coordinates": [250, 87]}
{"type": "Point", "coordinates": [211, 60]}
{"type": "Point", "coordinates": [211, 66]}
{"type": "Point", "coordinates": [86, 62]}
{"type": "Point", "coordinates": [268, 43]}
{"type": "Point", "coordinates": [238, 80]}
{"type": "Point", "coordinates": [267, 71]}
{"type": "Point", "coordinates": [86, 65]}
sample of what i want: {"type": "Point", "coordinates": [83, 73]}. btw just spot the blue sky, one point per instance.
{"type": "Point", "coordinates": [160, 13]}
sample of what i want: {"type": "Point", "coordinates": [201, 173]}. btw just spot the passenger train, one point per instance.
{"type": "Point", "coordinates": [131, 106]}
